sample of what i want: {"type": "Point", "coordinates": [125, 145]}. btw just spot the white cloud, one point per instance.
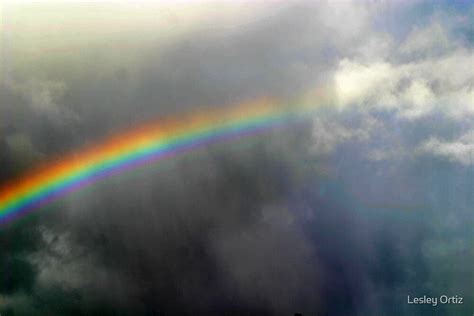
{"type": "Point", "coordinates": [460, 150]}
{"type": "Point", "coordinates": [357, 83]}
{"type": "Point", "coordinates": [411, 89]}
{"type": "Point", "coordinates": [428, 73]}
{"type": "Point", "coordinates": [418, 99]}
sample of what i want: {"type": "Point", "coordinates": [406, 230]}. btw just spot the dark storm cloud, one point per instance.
{"type": "Point", "coordinates": [202, 239]}
{"type": "Point", "coordinates": [212, 234]}
{"type": "Point", "coordinates": [279, 55]}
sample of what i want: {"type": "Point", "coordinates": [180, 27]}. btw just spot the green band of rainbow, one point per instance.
{"type": "Point", "coordinates": [130, 150]}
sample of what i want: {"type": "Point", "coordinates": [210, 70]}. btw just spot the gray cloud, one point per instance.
{"type": "Point", "coordinates": [309, 219]}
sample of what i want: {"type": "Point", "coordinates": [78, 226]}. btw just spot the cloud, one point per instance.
{"type": "Point", "coordinates": [309, 219]}
{"type": "Point", "coordinates": [424, 76]}
{"type": "Point", "coordinates": [42, 96]}
{"type": "Point", "coordinates": [328, 133]}
{"type": "Point", "coordinates": [426, 42]}
{"type": "Point", "coordinates": [414, 88]}
{"type": "Point", "coordinates": [460, 150]}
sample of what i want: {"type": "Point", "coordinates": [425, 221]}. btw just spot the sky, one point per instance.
{"type": "Point", "coordinates": [367, 202]}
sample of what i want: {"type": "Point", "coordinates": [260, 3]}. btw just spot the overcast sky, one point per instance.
{"type": "Point", "coordinates": [369, 201]}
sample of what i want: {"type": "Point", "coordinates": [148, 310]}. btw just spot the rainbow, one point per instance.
{"type": "Point", "coordinates": [148, 143]}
